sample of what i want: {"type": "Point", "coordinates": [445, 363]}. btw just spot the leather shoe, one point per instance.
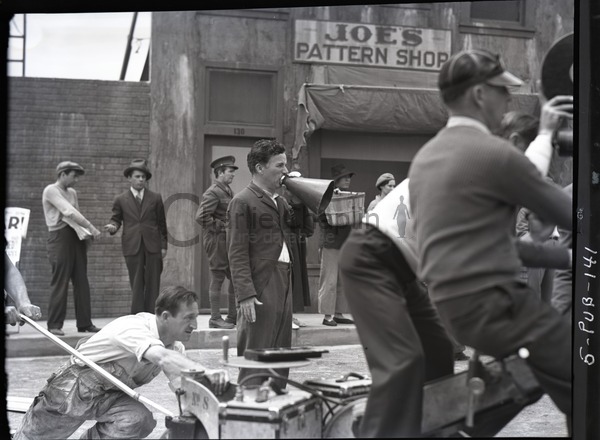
{"type": "Point", "coordinates": [343, 320]}
{"type": "Point", "coordinates": [220, 323]}
{"type": "Point", "coordinates": [56, 331]}
{"type": "Point", "coordinates": [231, 320]}
{"type": "Point", "coordinates": [90, 328]}
{"type": "Point", "coordinates": [329, 322]}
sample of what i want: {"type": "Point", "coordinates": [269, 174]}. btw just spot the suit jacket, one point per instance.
{"type": "Point", "coordinates": [147, 223]}
{"type": "Point", "coordinates": [256, 231]}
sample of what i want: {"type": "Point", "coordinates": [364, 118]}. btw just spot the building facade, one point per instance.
{"type": "Point", "coordinates": [352, 84]}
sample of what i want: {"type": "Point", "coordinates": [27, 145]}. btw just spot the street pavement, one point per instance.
{"type": "Point", "coordinates": [27, 341]}
{"type": "Point", "coordinates": [27, 376]}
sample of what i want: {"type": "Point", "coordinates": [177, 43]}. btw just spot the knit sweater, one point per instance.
{"type": "Point", "coordinates": [465, 186]}
{"type": "Point", "coordinates": [59, 204]}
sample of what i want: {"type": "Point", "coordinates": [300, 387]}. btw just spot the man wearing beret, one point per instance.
{"type": "Point", "coordinates": [211, 215]}
{"type": "Point", "coordinates": [66, 251]}
{"type": "Point", "coordinates": [465, 186]}
{"type": "Point", "coordinates": [144, 238]}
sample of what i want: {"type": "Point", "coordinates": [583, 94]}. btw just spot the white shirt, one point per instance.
{"type": "Point", "coordinates": [139, 193]}
{"type": "Point", "coordinates": [284, 256]}
{"type": "Point", "coordinates": [125, 340]}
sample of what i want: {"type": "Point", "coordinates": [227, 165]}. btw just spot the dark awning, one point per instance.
{"type": "Point", "coordinates": [376, 109]}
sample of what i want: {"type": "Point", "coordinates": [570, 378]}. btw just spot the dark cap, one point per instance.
{"type": "Point", "coordinates": [227, 161]}
{"type": "Point", "coordinates": [67, 166]}
{"type": "Point", "coordinates": [469, 67]}
{"type": "Point", "coordinates": [340, 170]}
{"type": "Point", "coordinates": [139, 165]}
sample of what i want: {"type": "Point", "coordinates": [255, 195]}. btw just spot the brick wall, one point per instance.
{"type": "Point", "coordinates": [102, 125]}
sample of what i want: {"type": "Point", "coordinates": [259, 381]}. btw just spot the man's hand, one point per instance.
{"type": "Point", "coordinates": [539, 230]}
{"type": "Point", "coordinates": [110, 228]}
{"type": "Point", "coordinates": [248, 310]}
{"type": "Point", "coordinates": [560, 106]}
{"type": "Point", "coordinates": [10, 315]}
{"type": "Point", "coordinates": [163, 253]}
{"type": "Point", "coordinates": [30, 311]}
{"type": "Point", "coordinates": [95, 232]}
{"type": "Point", "coordinates": [219, 379]}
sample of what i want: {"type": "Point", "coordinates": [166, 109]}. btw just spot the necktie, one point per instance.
{"type": "Point", "coordinates": [138, 199]}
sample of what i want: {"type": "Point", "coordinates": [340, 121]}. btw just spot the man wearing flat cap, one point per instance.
{"type": "Point", "coordinates": [144, 238]}
{"type": "Point", "coordinates": [212, 215]}
{"type": "Point", "coordinates": [66, 251]}
{"type": "Point", "coordinates": [465, 186]}
{"type": "Point", "coordinates": [331, 300]}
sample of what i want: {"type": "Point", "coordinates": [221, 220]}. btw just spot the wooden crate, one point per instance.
{"type": "Point", "coordinates": [345, 208]}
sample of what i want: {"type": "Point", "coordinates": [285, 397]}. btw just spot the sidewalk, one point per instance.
{"type": "Point", "coordinates": [28, 342]}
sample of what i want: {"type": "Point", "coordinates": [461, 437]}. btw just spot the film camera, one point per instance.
{"type": "Point", "coordinates": [557, 79]}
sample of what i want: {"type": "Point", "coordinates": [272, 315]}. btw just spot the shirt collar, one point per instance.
{"type": "Point", "coordinates": [135, 192]}
{"type": "Point", "coordinates": [465, 121]}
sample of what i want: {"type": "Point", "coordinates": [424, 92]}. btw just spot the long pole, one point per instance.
{"type": "Point", "coordinates": [128, 48]}
{"type": "Point", "coordinates": [101, 371]}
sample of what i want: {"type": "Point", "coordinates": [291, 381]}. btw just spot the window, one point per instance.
{"type": "Point", "coordinates": [497, 10]}
{"type": "Point", "coordinates": [241, 97]}
{"type": "Point", "coordinates": [509, 18]}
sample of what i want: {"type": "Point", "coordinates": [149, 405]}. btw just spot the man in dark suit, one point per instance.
{"type": "Point", "coordinates": [212, 215]}
{"type": "Point", "coordinates": [144, 238]}
{"type": "Point", "coordinates": [259, 257]}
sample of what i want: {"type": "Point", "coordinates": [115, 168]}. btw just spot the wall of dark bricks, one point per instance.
{"type": "Point", "coordinates": [102, 125]}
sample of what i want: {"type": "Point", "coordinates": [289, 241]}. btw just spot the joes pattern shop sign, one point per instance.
{"type": "Point", "coordinates": [396, 47]}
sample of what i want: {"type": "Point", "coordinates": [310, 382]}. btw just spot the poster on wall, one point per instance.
{"type": "Point", "coordinates": [16, 221]}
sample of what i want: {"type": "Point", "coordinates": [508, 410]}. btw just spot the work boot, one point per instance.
{"type": "Point", "coordinates": [220, 323]}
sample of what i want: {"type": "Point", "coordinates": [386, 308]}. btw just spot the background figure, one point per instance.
{"type": "Point", "coordinates": [144, 238]}
{"type": "Point", "coordinates": [258, 246]}
{"type": "Point", "coordinates": [212, 215]}
{"type": "Point", "coordinates": [401, 215]}
{"type": "Point", "coordinates": [15, 287]}
{"type": "Point", "coordinates": [331, 295]}
{"type": "Point", "coordinates": [66, 252]}
{"type": "Point", "coordinates": [302, 226]}
{"type": "Point", "coordinates": [540, 279]}
{"type": "Point", "coordinates": [562, 295]}
{"type": "Point", "coordinates": [520, 129]}
{"type": "Point", "coordinates": [385, 184]}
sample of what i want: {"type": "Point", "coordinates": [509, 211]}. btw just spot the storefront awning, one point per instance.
{"type": "Point", "coordinates": [376, 109]}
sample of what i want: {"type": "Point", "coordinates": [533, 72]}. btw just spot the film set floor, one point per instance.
{"type": "Point", "coordinates": [31, 358]}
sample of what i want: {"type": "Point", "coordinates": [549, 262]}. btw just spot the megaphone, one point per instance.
{"type": "Point", "coordinates": [314, 193]}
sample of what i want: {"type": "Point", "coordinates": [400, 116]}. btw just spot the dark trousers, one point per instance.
{"type": "Point", "coordinates": [68, 258]}
{"type": "Point", "coordinates": [499, 321]}
{"type": "Point", "coordinates": [217, 277]}
{"type": "Point", "coordinates": [144, 277]}
{"type": "Point", "coordinates": [273, 325]}
{"type": "Point", "coordinates": [404, 341]}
